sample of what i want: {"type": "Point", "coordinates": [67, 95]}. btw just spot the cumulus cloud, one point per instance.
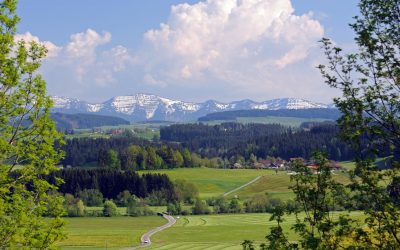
{"type": "Point", "coordinates": [83, 65]}
{"type": "Point", "coordinates": [81, 50]}
{"type": "Point", "coordinates": [85, 60]}
{"type": "Point", "coordinates": [248, 43]}
{"type": "Point", "coordinates": [220, 49]}
{"type": "Point", "coordinates": [52, 49]}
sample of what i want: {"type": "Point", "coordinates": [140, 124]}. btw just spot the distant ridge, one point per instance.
{"type": "Point", "coordinates": [145, 107]}
{"type": "Point", "coordinates": [84, 121]}
{"type": "Point", "coordinates": [312, 113]}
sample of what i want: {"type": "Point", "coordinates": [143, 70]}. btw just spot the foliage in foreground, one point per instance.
{"type": "Point", "coordinates": [370, 85]}
{"type": "Point", "coordinates": [27, 137]}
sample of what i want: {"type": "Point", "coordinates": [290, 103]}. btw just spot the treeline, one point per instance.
{"type": "Point", "coordinates": [231, 140]}
{"type": "Point", "coordinates": [110, 188]}
{"type": "Point", "coordinates": [81, 151]}
{"type": "Point", "coordinates": [128, 153]}
{"type": "Point", "coordinates": [84, 121]}
{"type": "Point", "coordinates": [331, 114]}
{"type": "Point", "coordinates": [110, 183]}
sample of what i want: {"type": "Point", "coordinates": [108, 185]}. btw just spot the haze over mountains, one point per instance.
{"type": "Point", "coordinates": [142, 107]}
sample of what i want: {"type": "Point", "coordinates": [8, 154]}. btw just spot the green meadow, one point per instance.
{"type": "Point", "coordinates": [195, 231]}
{"type": "Point", "coordinates": [221, 231]}
{"type": "Point", "coordinates": [213, 182]}
{"type": "Point", "coordinates": [87, 233]}
{"type": "Point", "coordinates": [190, 232]}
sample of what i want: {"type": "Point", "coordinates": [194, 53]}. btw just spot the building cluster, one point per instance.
{"type": "Point", "coordinates": [280, 164]}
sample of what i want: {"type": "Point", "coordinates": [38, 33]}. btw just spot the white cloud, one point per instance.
{"type": "Point", "coordinates": [84, 44]}
{"type": "Point", "coordinates": [221, 49]}
{"type": "Point", "coordinates": [52, 49]}
{"type": "Point", "coordinates": [241, 43]}
{"type": "Point", "coordinates": [152, 81]}
{"type": "Point", "coordinates": [119, 57]}
{"type": "Point", "coordinates": [85, 66]}
{"type": "Point", "coordinates": [84, 59]}
{"type": "Point", "coordinates": [81, 50]}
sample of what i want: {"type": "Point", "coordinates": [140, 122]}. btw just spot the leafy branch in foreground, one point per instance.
{"type": "Point", "coordinates": [317, 224]}
{"type": "Point", "coordinates": [27, 136]}
{"type": "Point", "coordinates": [370, 105]}
{"type": "Point", "coordinates": [370, 84]}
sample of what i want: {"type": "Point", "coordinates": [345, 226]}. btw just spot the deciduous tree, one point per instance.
{"type": "Point", "coordinates": [27, 136]}
{"type": "Point", "coordinates": [370, 84]}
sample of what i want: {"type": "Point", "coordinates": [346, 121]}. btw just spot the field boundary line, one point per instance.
{"type": "Point", "coordinates": [243, 186]}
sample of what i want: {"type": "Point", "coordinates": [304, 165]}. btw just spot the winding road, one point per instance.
{"type": "Point", "coordinates": [145, 239]}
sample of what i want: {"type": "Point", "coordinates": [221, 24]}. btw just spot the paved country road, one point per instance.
{"type": "Point", "coordinates": [243, 186]}
{"type": "Point", "coordinates": [145, 239]}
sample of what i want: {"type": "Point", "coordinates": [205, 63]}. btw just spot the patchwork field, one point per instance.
{"type": "Point", "coordinates": [277, 185]}
{"type": "Point", "coordinates": [190, 232]}
{"type": "Point", "coordinates": [219, 231]}
{"type": "Point", "coordinates": [107, 233]}
{"type": "Point", "coordinates": [213, 182]}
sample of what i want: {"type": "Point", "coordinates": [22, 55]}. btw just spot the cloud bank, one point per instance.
{"type": "Point", "coordinates": [222, 49]}
{"type": "Point", "coordinates": [240, 43]}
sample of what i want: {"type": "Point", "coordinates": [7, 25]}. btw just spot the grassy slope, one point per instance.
{"type": "Point", "coordinates": [219, 231]}
{"type": "Point", "coordinates": [213, 182]}
{"type": "Point", "coordinates": [277, 185]}
{"type": "Point", "coordinates": [115, 232]}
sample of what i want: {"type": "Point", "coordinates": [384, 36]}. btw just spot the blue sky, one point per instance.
{"type": "Point", "coordinates": [215, 49]}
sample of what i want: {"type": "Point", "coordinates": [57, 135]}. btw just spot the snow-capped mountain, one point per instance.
{"type": "Point", "coordinates": [141, 107]}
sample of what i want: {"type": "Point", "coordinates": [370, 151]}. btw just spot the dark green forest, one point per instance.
{"type": "Point", "coordinates": [262, 140]}
{"type": "Point", "coordinates": [330, 114]}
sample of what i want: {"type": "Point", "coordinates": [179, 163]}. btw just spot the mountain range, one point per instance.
{"type": "Point", "coordinates": [146, 107]}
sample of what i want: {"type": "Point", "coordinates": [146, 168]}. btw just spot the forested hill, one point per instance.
{"type": "Point", "coordinates": [231, 139]}
{"type": "Point", "coordinates": [324, 113]}
{"type": "Point", "coordinates": [82, 121]}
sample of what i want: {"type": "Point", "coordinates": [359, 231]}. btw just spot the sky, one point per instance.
{"type": "Point", "coordinates": [185, 49]}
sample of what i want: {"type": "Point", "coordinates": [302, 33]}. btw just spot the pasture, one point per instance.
{"type": "Point", "coordinates": [277, 185]}
{"type": "Point", "coordinates": [220, 231]}
{"type": "Point", "coordinates": [107, 233]}
{"type": "Point", "coordinates": [213, 182]}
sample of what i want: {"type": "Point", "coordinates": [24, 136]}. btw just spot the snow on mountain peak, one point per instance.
{"type": "Point", "coordinates": [148, 106]}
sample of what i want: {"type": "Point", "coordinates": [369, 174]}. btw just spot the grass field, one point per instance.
{"type": "Point", "coordinates": [277, 186]}
{"type": "Point", "coordinates": [190, 232]}
{"type": "Point", "coordinates": [219, 231]}
{"type": "Point", "coordinates": [107, 233]}
{"type": "Point", "coordinates": [213, 182]}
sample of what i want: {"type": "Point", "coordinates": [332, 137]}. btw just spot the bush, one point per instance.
{"type": "Point", "coordinates": [74, 206]}
{"type": "Point", "coordinates": [110, 209]}
{"type": "Point", "coordinates": [200, 207]}
{"type": "Point", "coordinates": [174, 208]}
{"type": "Point", "coordinates": [91, 197]}
{"type": "Point", "coordinates": [137, 207]}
